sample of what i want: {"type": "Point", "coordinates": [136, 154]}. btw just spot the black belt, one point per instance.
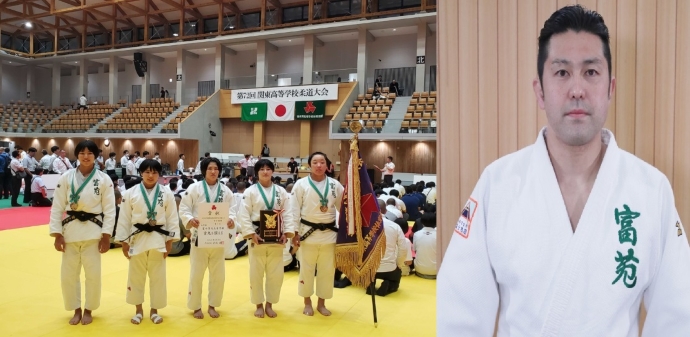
{"type": "Point", "coordinates": [148, 229]}
{"type": "Point", "coordinates": [83, 216]}
{"type": "Point", "coordinates": [315, 226]}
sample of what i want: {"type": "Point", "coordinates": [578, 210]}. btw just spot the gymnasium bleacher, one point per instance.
{"type": "Point", "coordinates": [27, 116]}
{"type": "Point", "coordinates": [140, 117]}
{"type": "Point", "coordinates": [421, 114]}
{"type": "Point", "coordinates": [77, 120]}
{"type": "Point", "coordinates": [371, 111]}
{"type": "Point", "coordinates": [173, 126]}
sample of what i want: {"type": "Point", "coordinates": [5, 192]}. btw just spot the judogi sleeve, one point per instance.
{"type": "Point", "coordinates": [338, 194]}
{"type": "Point", "coordinates": [231, 202]}
{"type": "Point", "coordinates": [124, 221]}
{"type": "Point", "coordinates": [667, 299]}
{"type": "Point", "coordinates": [295, 204]}
{"type": "Point", "coordinates": [108, 205]}
{"type": "Point", "coordinates": [59, 205]}
{"type": "Point", "coordinates": [172, 220]}
{"type": "Point", "coordinates": [467, 292]}
{"type": "Point", "coordinates": [244, 214]}
{"type": "Point", "coordinates": [289, 227]}
{"type": "Point", "coordinates": [187, 205]}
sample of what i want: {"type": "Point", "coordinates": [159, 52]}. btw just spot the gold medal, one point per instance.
{"type": "Point", "coordinates": [152, 222]}
{"type": "Point", "coordinates": [324, 209]}
{"type": "Point", "coordinates": [73, 206]}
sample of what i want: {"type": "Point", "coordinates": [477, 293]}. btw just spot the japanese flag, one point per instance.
{"type": "Point", "coordinates": [280, 110]}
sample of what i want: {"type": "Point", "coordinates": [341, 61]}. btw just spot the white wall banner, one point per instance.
{"type": "Point", "coordinates": [323, 92]}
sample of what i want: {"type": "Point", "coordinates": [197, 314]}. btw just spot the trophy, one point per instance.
{"type": "Point", "coordinates": [271, 226]}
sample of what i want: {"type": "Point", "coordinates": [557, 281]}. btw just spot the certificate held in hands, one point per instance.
{"type": "Point", "coordinates": [213, 225]}
{"type": "Point", "coordinates": [271, 225]}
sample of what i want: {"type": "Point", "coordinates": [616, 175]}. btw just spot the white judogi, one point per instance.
{"type": "Point", "coordinates": [230, 248]}
{"type": "Point", "coordinates": [147, 250]}
{"type": "Point", "coordinates": [201, 259]}
{"type": "Point", "coordinates": [319, 248]}
{"type": "Point", "coordinates": [81, 238]}
{"type": "Point", "coordinates": [514, 246]}
{"type": "Point", "coordinates": [264, 258]}
{"type": "Point", "coordinates": [61, 165]}
{"type": "Point", "coordinates": [425, 248]}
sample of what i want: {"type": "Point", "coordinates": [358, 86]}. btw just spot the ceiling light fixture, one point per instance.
{"type": "Point", "coordinates": [289, 40]}
{"type": "Point", "coordinates": [28, 25]}
{"type": "Point", "coordinates": [393, 29]}
{"type": "Point", "coordinates": [175, 34]}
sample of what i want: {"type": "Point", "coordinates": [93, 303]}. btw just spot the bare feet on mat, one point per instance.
{"type": "Point", "coordinates": [76, 318]}
{"type": "Point", "coordinates": [259, 313]}
{"type": "Point", "coordinates": [269, 311]}
{"type": "Point", "coordinates": [321, 307]}
{"type": "Point", "coordinates": [212, 312]}
{"type": "Point", "coordinates": [86, 319]}
{"type": "Point", "coordinates": [198, 314]}
{"type": "Point", "coordinates": [323, 311]}
{"type": "Point", "coordinates": [308, 310]}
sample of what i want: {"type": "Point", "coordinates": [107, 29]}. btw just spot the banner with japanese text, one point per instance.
{"type": "Point", "coordinates": [320, 92]}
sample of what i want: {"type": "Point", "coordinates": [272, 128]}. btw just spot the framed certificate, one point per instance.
{"type": "Point", "coordinates": [213, 224]}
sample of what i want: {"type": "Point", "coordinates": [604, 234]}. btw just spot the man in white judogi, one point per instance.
{"type": "Point", "coordinates": [147, 226]}
{"type": "Point", "coordinates": [87, 195]}
{"type": "Point", "coordinates": [265, 258]}
{"type": "Point", "coordinates": [566, 237]}
{"type": "Point", "coordinates": [206, 258]}
{"type": "Point", "coordinates": [314, 201]}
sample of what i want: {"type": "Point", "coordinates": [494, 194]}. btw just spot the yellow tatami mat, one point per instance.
{"type": "Point", "coordinates": [31, 301]}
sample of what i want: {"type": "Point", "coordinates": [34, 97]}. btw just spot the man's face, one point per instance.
{"type": "Point", "coordinates": [575, 91]}
{"type": "Point", "coordinates": [62, 153]}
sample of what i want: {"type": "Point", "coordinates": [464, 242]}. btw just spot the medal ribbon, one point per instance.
{"type": "Point", "coordinates": [273, 195]}
{"type": "Point", "coordinates": [208, 198]}
{"type": "Point", "coordinates": [324, 196]}
{"type": "Point", "coordinates": [74, 196]}
{"type": "Point", "coordinates": [151, 214]}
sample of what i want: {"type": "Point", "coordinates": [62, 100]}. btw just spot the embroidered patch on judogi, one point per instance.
{"type": "Point", "coordinates": [465, 221]}
{"type": "Point", "coordinates": [680, 228]}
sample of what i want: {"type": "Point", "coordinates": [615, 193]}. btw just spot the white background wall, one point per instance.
{"type": "Point", "coordinates": [394, 51]}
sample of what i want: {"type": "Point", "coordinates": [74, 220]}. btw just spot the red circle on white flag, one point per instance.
{"type": "Point", "coordinates": [280, 110]}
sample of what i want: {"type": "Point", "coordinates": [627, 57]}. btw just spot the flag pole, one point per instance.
{"type": "Point", "coordinates": [356, 127]}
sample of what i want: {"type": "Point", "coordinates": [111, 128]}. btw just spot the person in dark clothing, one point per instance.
{"type": "Point", "coordinates": [394, 88]}
{"type": "Point", "coordinates": [412, 204]}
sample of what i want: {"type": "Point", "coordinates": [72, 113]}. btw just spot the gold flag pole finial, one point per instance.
{"type": "Point", "coordinates": [355, 127]}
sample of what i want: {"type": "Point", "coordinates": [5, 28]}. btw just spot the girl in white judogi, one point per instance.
{"type": "Point", "coordinates": [147, 226]}
{"type": "Point", "coordinates": [314, 201]}
{"type": "Point", "coordinates": [264, 258]}
{"type": "Point", "coordinates": [208, 190]}
{"type": "Point", "coordinates": [86, 194]}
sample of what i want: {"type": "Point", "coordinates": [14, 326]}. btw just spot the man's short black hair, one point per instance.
{"type": "Point", "coordinates": [151, 164]}
{"type": "Point", "coordinates": [86, 144]}
{"type": "Point", "coordinates": [391, 158]}
{"type": "Point", "coordinates": [38, 171]}
{"type": "Point", "coordinates": [429, 219]}
{"type": "Point", "coordinates": [409, 189]}
{"type": "Point", "coordinates": [186, 183]}
{"type": "Point", "coordinates": [577, 19]}
{"type": "Point", "coordinates": [146, 153]}
{"type": "Point", "coordinates": [403, 225]}
{"type": "Point", "coordinates": [398, 181]}
{"type": "Point", "coordinates": [32, 149]}
{"type": "Point", "coordinates": [137, 153]}
{"type": "Point", "coordinates": [173, 185]}
{"type": "Point", "coordinates": [15, 154]}
{"type": "Point", "coordinates": [263, 162]}
{"type": "Point", "coordinates": [125, 152]}
{"type": "Point", "coordinates": [206, 162]}
{"type": "Point", "coordinates": [430, 184]}
{"type": "Point", "coordinates": [207, 154]}
{"type": "Point", "coordinates": [112, 154]}
{"type": "Point", "coordinates": [54, 148]}
{"type": "Point", "coordinates": [394, 193]}
{"type": "Point", "coordinates": [181, 154]}
{"type": "Point", "coordinates": [131, 156]}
